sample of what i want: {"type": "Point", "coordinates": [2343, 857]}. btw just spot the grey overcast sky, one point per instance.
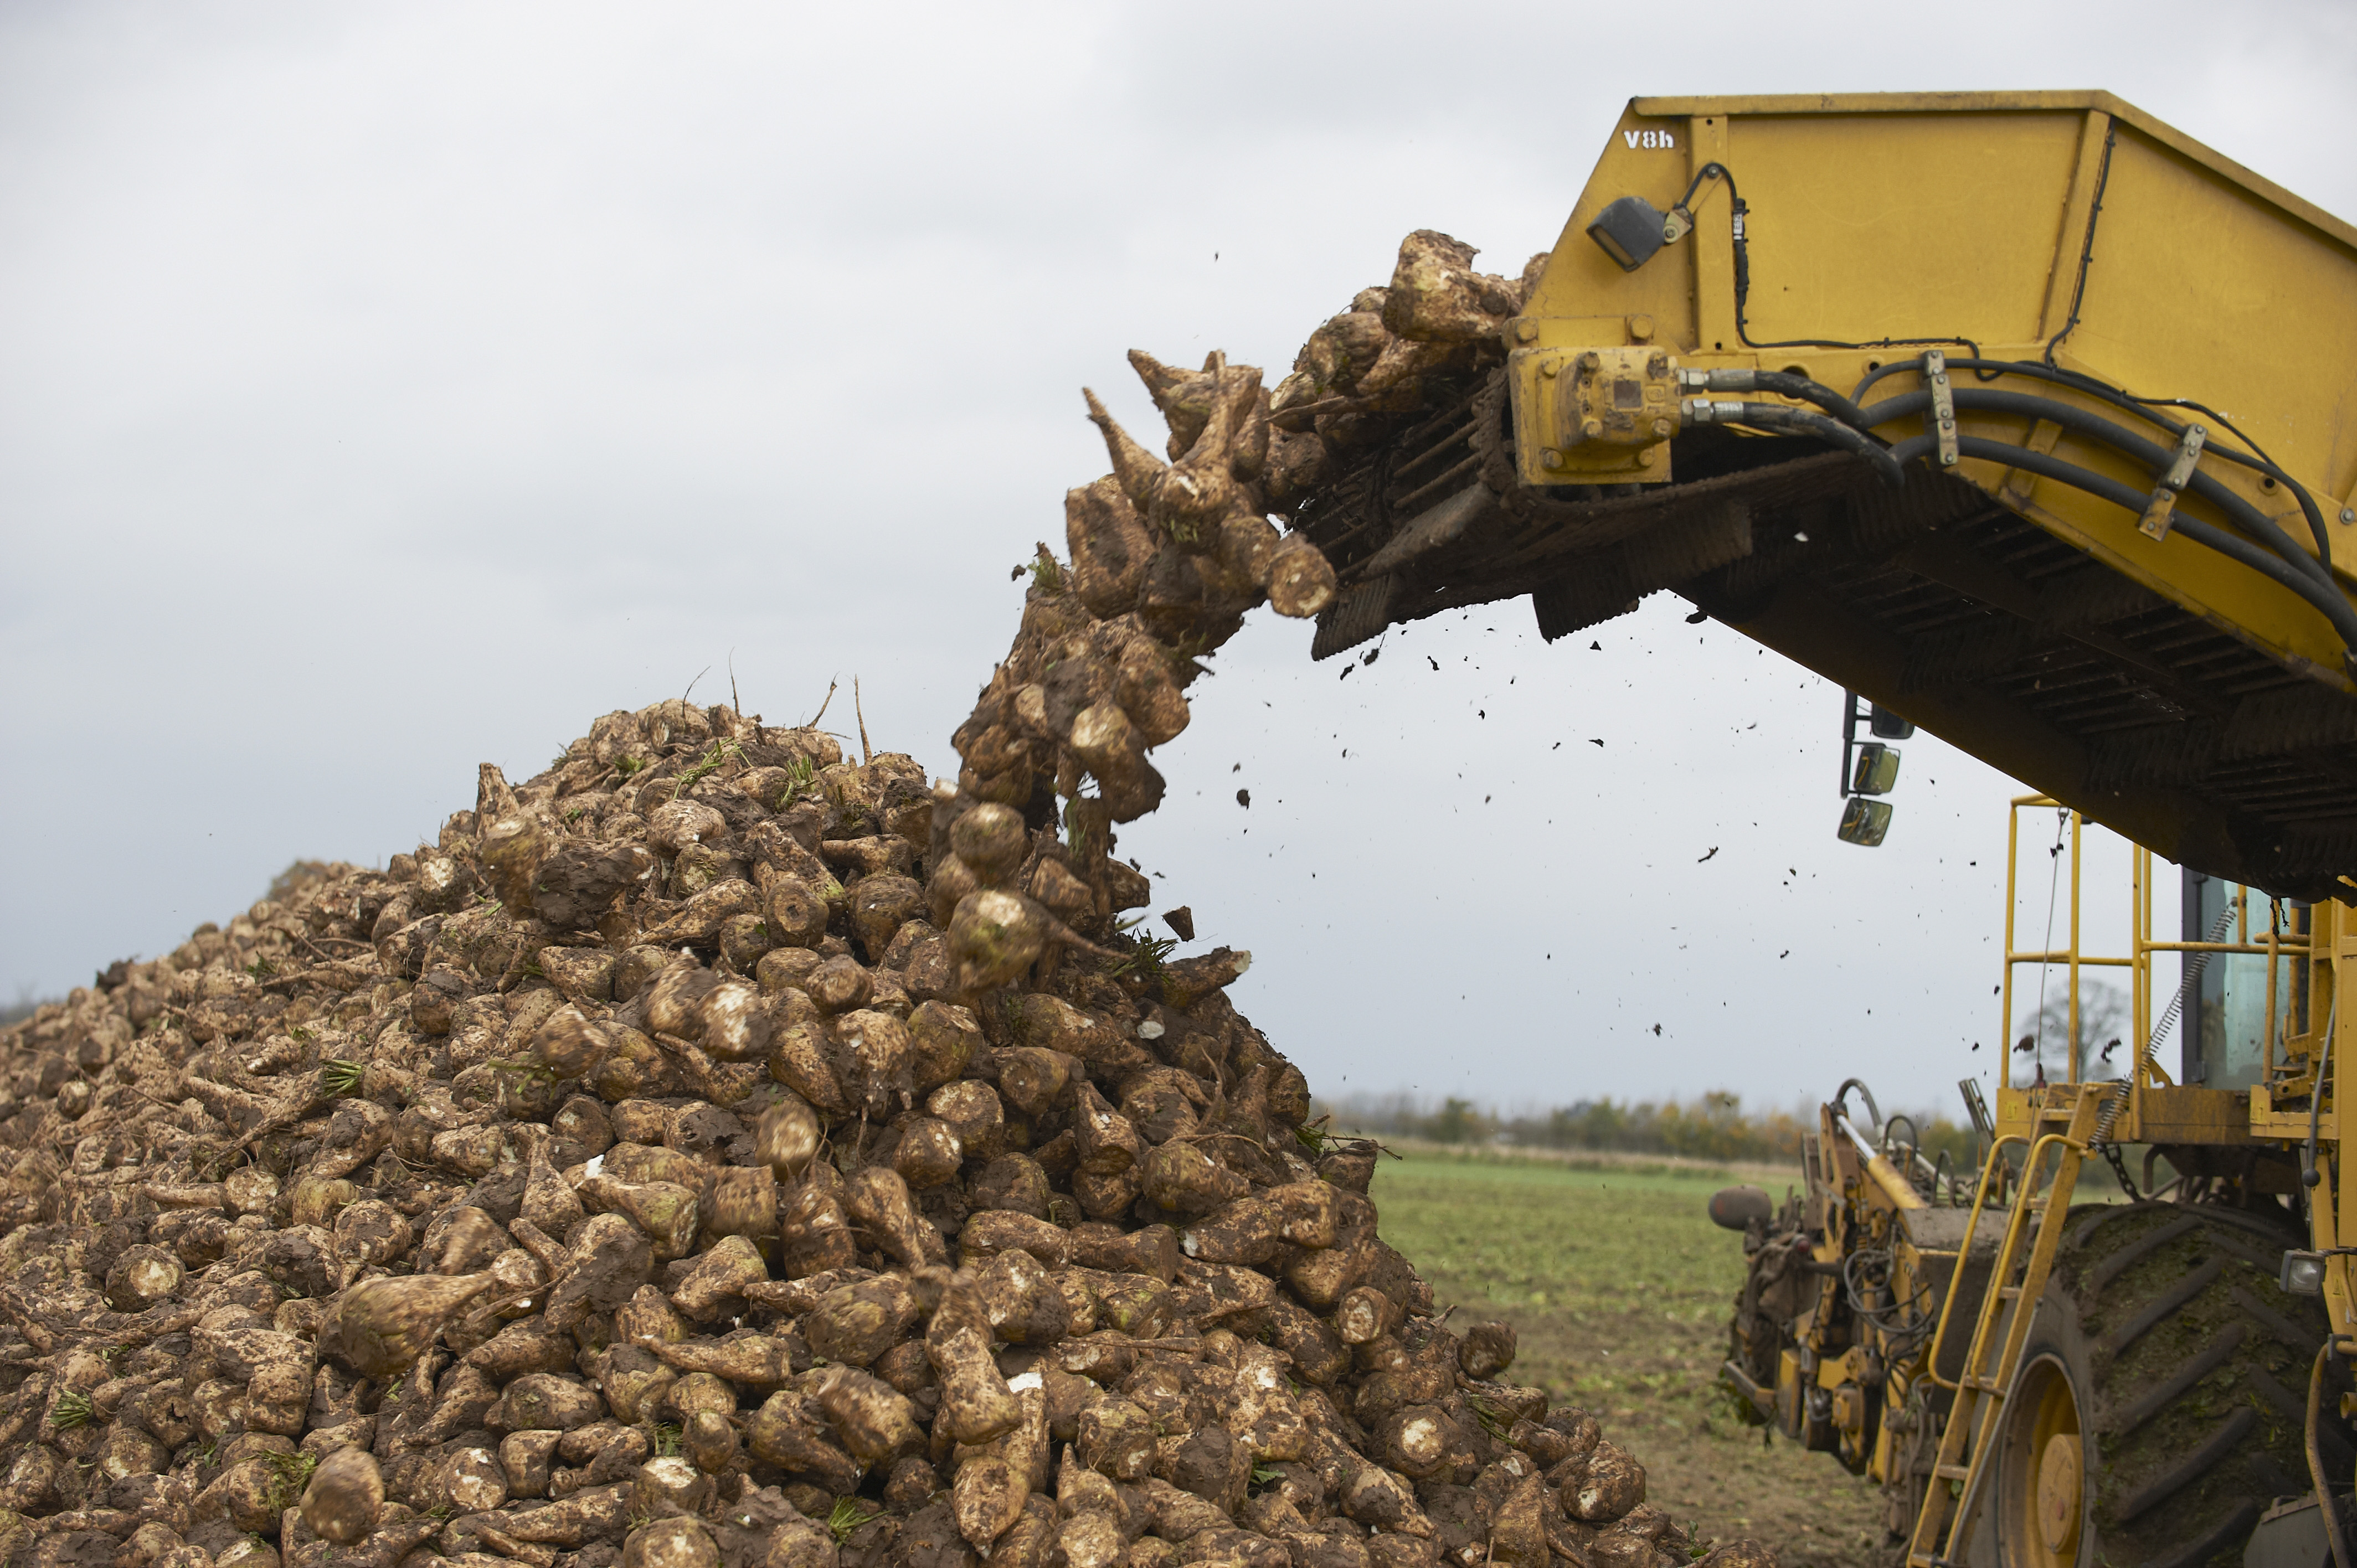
{"type": "Point", "coordinates": [388, 388]}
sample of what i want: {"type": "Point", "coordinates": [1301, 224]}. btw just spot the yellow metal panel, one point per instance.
{"type": "Point", "coordinates": [1958, 103]}
{"type": "Point", "coordinates": [2198, 288]}
{"type": "Point", "coordinates": [2061, 282]}
{"type": "Point", "coordinates": [1581, 281]}
{"type": "Point", "coordinates": [1850, 1367]}
{"type": "Point", "coordinates": [2324, 1233]}
{"type": "Point", "coordinates": [1901, 225]}
{"type": "Point", "coordinates": [2182, 1115]}
{"type": "Point", "coordinates": [1964, 215]}
{"type": "Point", "coordinates": [2012, 1111]}
{"type": "Point", "coordinates": [1713, 269]}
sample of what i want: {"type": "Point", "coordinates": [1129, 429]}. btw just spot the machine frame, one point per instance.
{"type": "Point", "coordinates": [1878, 1356]}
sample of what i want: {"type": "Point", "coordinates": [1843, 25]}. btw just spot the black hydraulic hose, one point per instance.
{"type": "Point", "coordinates": [1789, 385]}
{"type": "Point", "coordinates": [1840, 1096]}
{"type": "Point", "coordinates": [2255, 459]}
{"type": "Point", "coordinates": [2153, 455]}
{"type": "Point", "coordinates": [2325, 601]}
{"type": "Point", "coordinates": [1833, 432]}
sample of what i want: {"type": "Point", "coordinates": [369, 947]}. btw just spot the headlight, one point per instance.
{"type": "Point", "coordinates": [2303, 1274]}
{"type": "Point", "coordinates": [1629, 231]}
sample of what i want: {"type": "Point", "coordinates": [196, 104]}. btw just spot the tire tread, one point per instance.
{"type": "Point", "coordinates": [2213, 1355]}
{"type": "Point", "coordinates": [2151, 1242]}
{"type": "Point", "coordinates": [2293, 1408]}
{"type": "Point", "coordinates": [2162, 1306]}
{"type": "Point", "coordinates": [2284, 1331]}
{"type": "Point", "coordinates": [2105, 1214]}
{"type": "Point", "coordinates": [2194, 1465]}
{"type": "Point", "coordinates": [2167, 1339]}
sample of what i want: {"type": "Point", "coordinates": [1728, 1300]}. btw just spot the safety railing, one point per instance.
{"type": "Point", "coordinates": [2278, 943]}
{"type": "Point", "coordinates": [1990, 1167]}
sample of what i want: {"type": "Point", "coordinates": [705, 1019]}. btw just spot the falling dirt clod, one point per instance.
{"type": "Point", "coordinates": [712, 1150]}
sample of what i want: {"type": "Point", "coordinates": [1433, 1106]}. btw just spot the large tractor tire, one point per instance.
{"type": "Point", "coordinates": [2161, 1398]}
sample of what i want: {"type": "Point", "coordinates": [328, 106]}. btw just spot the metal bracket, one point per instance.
{"type": "Point", "coordinates": [1942, 415]}
{"type": "Point", "coordinates": [1679, 220]}
{"type": "Point", "coordinates": [2162, 510]}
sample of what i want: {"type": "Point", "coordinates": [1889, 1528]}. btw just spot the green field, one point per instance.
{"type": "Point", "coordinates": [1620, 1287]}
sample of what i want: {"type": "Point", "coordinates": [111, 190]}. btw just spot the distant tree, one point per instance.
{"type": "Point", "coordinates": [1591, 1124]}
{"type": "Point", "coordinates": [2103, 1018]}
{"type": "Point", "coordinates": [1457, 1122]}
{"type": "Point", "coordinates": [1711, 1126]}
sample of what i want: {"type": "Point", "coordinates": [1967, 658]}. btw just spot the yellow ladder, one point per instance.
{"type": "Point", "coordinates": [2017, 1279]}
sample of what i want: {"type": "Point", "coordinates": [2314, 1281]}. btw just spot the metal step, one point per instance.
{"type": "Point", "coordinates": [1943, 1529]}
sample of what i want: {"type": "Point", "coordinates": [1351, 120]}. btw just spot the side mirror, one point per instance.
{"type": "Point", "coordinates": [1864, 821]}
{"type": "Point", "coordinates": [1876, 772]}
{"type": "Point", "coordinates": [1867, 767]}
{"type": "Point", "coordinates": [1888, 725]}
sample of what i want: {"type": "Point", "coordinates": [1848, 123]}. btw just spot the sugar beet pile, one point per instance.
{"type": "Point", "coordinates": [715, 1151]}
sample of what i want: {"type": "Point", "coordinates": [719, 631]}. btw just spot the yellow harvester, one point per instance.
{"type": "Point", "coordinates": [2026, 416]}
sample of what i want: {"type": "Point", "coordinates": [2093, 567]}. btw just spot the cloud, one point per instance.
{"type": "Point", "coordinates": [391, 388]}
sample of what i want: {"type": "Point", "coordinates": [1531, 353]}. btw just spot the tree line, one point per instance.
{"type": "Point", "coordinates": [1713, 1126]}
